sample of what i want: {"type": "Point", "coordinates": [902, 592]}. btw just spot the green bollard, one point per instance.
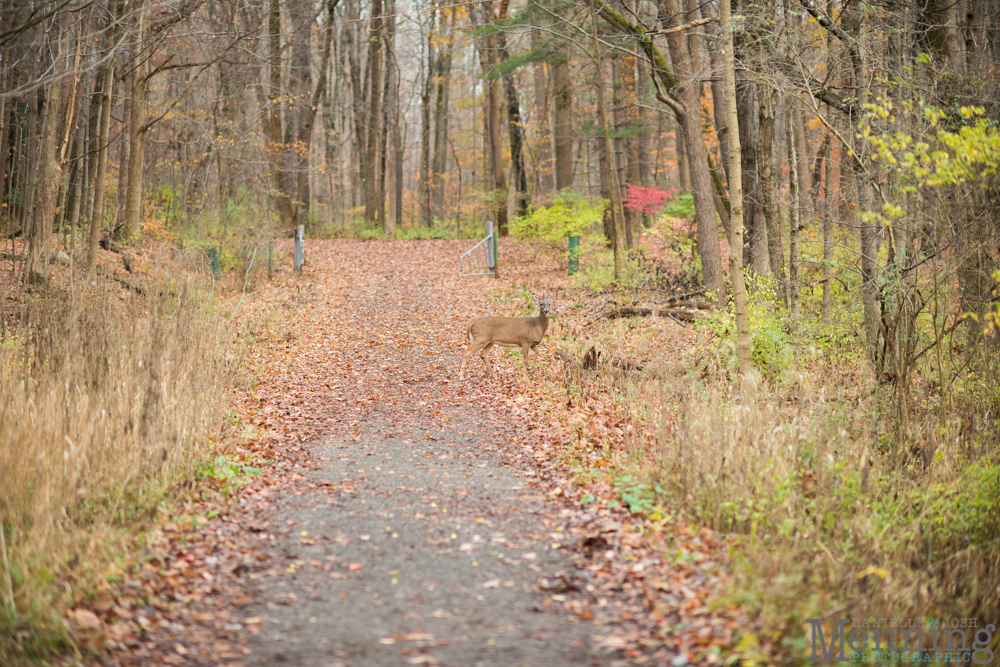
{"type": "Point", "coordinates": [574, 254]}
{"type": "Point", "coordinates": [213, 256]}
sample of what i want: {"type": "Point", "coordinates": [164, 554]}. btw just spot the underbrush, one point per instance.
{"type": "Point", "coordinates": [834, 509]}
{"type": "Point", "coordinates": [109, 399]}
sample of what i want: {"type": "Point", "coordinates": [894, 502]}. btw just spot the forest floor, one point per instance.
{"type": "Point", "coordinates": [402, 516]}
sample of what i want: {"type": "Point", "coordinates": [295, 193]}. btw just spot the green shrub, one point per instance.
{"type": "Point", "coordinates": [569, 215]}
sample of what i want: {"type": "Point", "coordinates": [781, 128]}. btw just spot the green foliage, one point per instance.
{"type": "Point", "coordinates": [637, 496]}
{"type": "Point", "coordinates": [962, 513]}
{"type": "Point", "coordinates": [771, 343]}
{"type": "Point", "coordinates": [681, 206]}
{"type": "Point", "coordinates": [229, 473]}
{"type": "Point", "coordinates": [569, 215]}
{"type": "Point", "coordinates": [969, 155]}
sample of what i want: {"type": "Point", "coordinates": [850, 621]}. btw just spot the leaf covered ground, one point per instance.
{"type": "Point", "coordinates": [372, 509]}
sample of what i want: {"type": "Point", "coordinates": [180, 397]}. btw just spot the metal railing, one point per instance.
{"type": "Point", "coordinates": [480, 259]}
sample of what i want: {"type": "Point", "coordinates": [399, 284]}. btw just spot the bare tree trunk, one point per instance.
{"type": "Point", "coordinates": [519, 174]}
{"type": "Point", "coordinates": [427, 175]}
{"type": "Point", "coordinates": [544, 176]}
{"type": "Point", "coordinates": [29, 169]}
{"type": "Point", "coordinates": [563, 126]}
{"type": "Point", "coordinates": [4, 134]}
{"type": "Point", "coordinates": [40, 233]}
{"type": "Point", "coordinates": [622, 71]}
{"type": "Point", "coordinates": [79, 173]}
{"type": "Point", "coordinates": [768, 184]}
{"type": "Point", "coordinates": [270, 110]}
{"type": "Point", "coordinates": [102, 156]}
{"type": "Point", "coordinates": [735, 193]}
{"type": "Point", "coordinates": [375, 38]}
{"type": "Point", "coordinates": [854, 18]}
{"type": "Point", "coordinates": [794, 209]}
{"type": "Point", "coordinates": [124, 96]}
{"type": "Point", "coordinates": [613, 184]}
{"type": "Point", "coordinates": [719, 100]}
{"type": "Point", "coordinates": [441, 116]}
{"type": "Point", "coordinates": [821, 180]}
{"type": "Point", "coordinates": [352, 46]}
{"type": "Point", "coordinates": [395, 213]}
{"type": "Point", "coordinates": [686, 92]}
{"type": "Point", "coordinates": [137, 143]}
{"type": "Point", "coordinates": [683, 167]}
{"type": "Point", "coordinates": [755, 253]}
{"type": "Point", "coordinates": [301, 111]}
{"type": "Point", "coordinates": [493, 130]}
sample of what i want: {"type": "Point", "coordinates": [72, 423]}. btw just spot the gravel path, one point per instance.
{"type": "Point", "coordinates": [409, 541]}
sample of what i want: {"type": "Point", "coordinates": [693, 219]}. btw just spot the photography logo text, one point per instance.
{"type": "Point", "coordinates": [903, 640]}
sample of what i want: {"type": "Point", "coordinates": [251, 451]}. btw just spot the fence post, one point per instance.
{"type": "Point", "coordinates": [213, 257]}
{"type": "Point", "coordinates": [270, 259]}
{"type": "Point", "coordinates": [574, 254]}
{"type": "Point", "coordinates": [491, 250]}
{"type": "Point", "coordinates": [300, 259]}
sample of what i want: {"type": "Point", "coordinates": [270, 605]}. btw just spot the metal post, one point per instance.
{"type": "Point", "coordinates": [491, 249]}
{"type": "Point", "coordinates": [574, 254]}
{"type": "Point", "coordinates": [270, 259]}
{"type": "Point", "coordinates": [300, 259]}
{"type": "Point", "coordinates": [213, 257]}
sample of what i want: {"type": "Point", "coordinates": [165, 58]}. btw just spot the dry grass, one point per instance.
{"type": "Point", "coordinates": [834, 510]}
{"type": "Point", "coordinates": [108, 396]}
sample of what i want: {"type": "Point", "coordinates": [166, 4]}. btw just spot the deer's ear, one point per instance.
{"type": "Point", "coordinates": [534, 297]}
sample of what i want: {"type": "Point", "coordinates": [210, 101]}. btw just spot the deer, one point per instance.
{"type": "Point", "coordinates": [523, 332]}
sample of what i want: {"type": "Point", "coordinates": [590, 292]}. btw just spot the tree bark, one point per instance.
{"type": "Point", "coordinates": [301, 111]}
{"type": "Point", "coordinates": [613, 185]}
{"type": "Point", "coordinates": [683, 167]}
{"type": "Point", "coordinates": [372, 198]}
{"type": "Point", "coordinates": [102, 156]}
{"type": "Point", "coordinates": [686, 91]}
{"type": "Point", "coordinates": [442, 77]}
{"type": "Point", "coordinates": [755, 252]}
{"type": "Point", "coordinates": [137, 144]}
{"type": "Point", "coordinates": [50, 173]}
{"type": "Point", "coordinates": [794, 209]}
{"type": "Point", "coordinates": [270, 110]}
{"type": "Point", "coordinates": [563, 126]}
{"type": "Point", "coordinates": [735, 193]}
{"type": "Point", "coordinates": [488, 56]}
{"type": "Point", "coordinates": [769, 190]}
{"type": "Point", "coordinates": [394, 218]}
{"type": "Point", "coordinates": [426, 185]}
{"type": "Point", "coordinates": [544, 175]}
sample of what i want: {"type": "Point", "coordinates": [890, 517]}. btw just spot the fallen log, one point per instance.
{"type": "Point", "coordinates": [593, 359]}
{"type": "Point", "coordinates": [684, 297]}
{"type": "Point", "coordinates": [678, 316]}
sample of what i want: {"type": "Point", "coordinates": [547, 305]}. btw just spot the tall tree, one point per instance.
{"type": "Point", "coordinates": [741, 307]}
{"type": "Point", "coordinates": [375, 38]}
{"type": "Point", "coordinates": [270, 111]}
{"type": "Point", "coordinates": [442, 79]}
{"type": "Point", "coordinates": [40, 232]}
{"type": "Point", "coordinates": [562, 96]}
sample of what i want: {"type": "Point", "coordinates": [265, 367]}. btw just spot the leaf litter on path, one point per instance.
{"type": "Point", "coordinates": [361, 421]}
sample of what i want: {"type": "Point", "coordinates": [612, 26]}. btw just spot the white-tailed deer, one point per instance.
{"type": "Point", "coordinates": [522, 332]}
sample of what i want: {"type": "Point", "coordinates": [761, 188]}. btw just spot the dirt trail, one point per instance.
{"type": "Point", "coordinates": [409, 541]}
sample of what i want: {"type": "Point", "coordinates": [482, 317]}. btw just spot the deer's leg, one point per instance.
{"type": "Point", "coordinates": [484, 354]}
{"type": "Point", "coordinates": [526, 350]}
{"type": "Point", "coordinates": [465, 358]}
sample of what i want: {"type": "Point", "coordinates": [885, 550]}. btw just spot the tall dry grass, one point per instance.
{"type": "Point", "coordinates": [835, 509]}
{"type": "Point", "coordinates": [105, 398]}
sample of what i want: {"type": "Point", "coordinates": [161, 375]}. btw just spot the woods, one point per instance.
{"type": "Point", "coordinates": [824, 175]}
